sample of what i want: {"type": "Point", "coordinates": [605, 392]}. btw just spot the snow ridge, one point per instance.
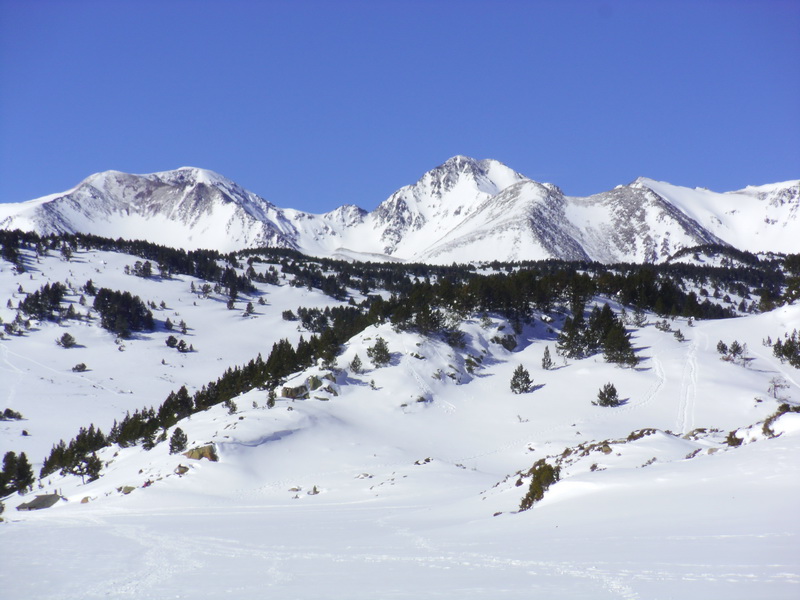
{"type": "Point", "coordinates": [463, 210]}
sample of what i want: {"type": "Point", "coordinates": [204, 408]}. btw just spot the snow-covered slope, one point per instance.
{"type": "Point", "coordinates": [463, 210]}
{"type": "Point", "coordinates": [400, 481]}
{"type": "Point", "coordinates": [762, 218]}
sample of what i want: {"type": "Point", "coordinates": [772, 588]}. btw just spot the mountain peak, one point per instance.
{"type": "Point", "coordinates": [463, 203]}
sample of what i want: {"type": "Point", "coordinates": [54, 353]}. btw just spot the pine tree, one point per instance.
{"type": "Point", "coordinates": [617, 347]}
{"type": "Point", "coordinates": [89, 466]}
{"type": "Point", "coordinates": [547, 360]}
{"type": "Point", "coordinates": [379, 353]}
{"type": "Point", "coordinates": [66, 341]}
{"type": "Point", "coordinates": [607, 396]}
{"type": "Point", "coordinates": [521, 382]}
{"type": "Point", "coordinates": [356, 365]}
{"type": "Point", "coordinates": [8, 473]}
{"type": "Point", "coordinates": [24, 477]}
{"type": "Point", "coordinates": [178, 441]}
{"type": "Point", "coordinates": [571, 341]}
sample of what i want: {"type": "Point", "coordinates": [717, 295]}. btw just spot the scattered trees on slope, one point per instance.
{"type": "Point", "coordinates": [788, 349]}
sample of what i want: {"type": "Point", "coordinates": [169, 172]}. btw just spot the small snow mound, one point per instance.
{"type": "Point", "coordinates": [788, 423]}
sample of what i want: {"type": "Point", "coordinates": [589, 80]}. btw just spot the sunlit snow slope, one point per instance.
{"type": "Point", "coordinates": [400, 481]}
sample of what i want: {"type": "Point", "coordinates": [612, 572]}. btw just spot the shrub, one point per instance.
{"type": "Point", "coordinates": [732, 440]}
{"type": "Point", "coordinates": [10, 415]}
{"type": "Point", "coordinates": [66, 341]}
{"type": "Point", "coordinates": [543, 476]}
{"type": "Point", "coordinates": [79, 368]}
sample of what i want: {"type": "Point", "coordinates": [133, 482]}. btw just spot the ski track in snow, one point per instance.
{"type": "Point", "coordinates": [449, 407]}
{"type": "Point", "coordinates": [685, 421]}
{"type": "Point", "coordinates": [537, 435]}
{"type": "Point", "coordinates": [167, 555]}
{"type": "Point", "coordinates": [18, 375]}
{"type": "Point", "coordinates": [777, 366]}
{"type": "Point", "coordinates": [95, 384]}
{"type": "Point", "coordinates": [417, 377]}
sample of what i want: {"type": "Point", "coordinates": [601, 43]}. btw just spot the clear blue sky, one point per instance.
{"type": "Point", "coordinates": [314, 104]}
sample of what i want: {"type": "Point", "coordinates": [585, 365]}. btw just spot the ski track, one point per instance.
{"type": "Point", "coordinates": [652, 393]}
{"type": "Point", "coordinates": [19, 374]}
{"type": "Point", "coordinates": [777, 366]}
{"type": "Point", "coordinates": [167, 558]}
{"type": "Point", "coordinates": [449, 407]}
{"type": "Point", "coordinates": [685, 420]}
{"type": "Point", "coordinates": [77, 376]}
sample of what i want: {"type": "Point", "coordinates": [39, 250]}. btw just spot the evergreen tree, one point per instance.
{"type": "Point", "coordinates": [521, 382]}
{"type": "Point", "coordinates": [356, 365]}
{"type": "Point", "coordinates": [89, 466]}
{"type": "Point", "coordinates": [617, 347]}
{"type": "Point", "coordinates": [8, 473]}
{"type": "Point", "coordinates": [639, 318]}
{"type": "Point", "coordinates": [547, 360]}
{"type": "Point", "coordinates": [571, 340]}
{"type": "Point", "coordinates": [66, 341]}
{"type": "Point", "coordinates": [379, 353]}
{"type": "Point", "coordinates": [607, 396]}
{"type": "Point", "coordinates": [17, 475]}
{"type": "Point", "coordinates": [24, 477]}
{"type": "Point", "coordinates": [178, 441]}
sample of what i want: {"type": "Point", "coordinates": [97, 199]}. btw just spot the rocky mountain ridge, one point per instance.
{"type": "Point", "coordinates": [463, 210]}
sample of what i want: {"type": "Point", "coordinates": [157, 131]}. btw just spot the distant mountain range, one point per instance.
{"type": "Point", "coordinates": [463, 210]}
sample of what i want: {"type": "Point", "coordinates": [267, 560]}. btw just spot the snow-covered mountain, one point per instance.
{"type": "Point", "coordinates": [188, 207]}
{"type": "Point", "coordinates": [463, 210]}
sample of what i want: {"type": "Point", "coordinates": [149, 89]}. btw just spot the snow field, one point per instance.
{"type": "Point", "coordinates": [371, 493]}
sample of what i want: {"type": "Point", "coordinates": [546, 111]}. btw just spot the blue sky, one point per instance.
{"type": "Point", "coordinates": [314, 104]}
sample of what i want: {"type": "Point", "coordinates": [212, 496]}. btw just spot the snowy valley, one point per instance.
{"type": "Point", "coordinates": [351, 430]}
